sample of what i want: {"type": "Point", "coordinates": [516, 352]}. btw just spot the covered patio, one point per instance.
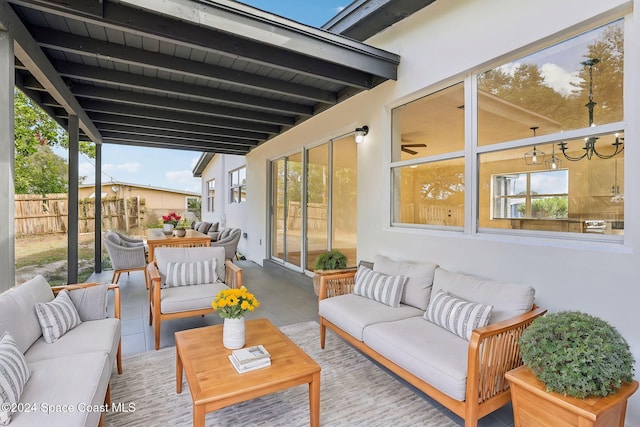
{"type": "Point", "coordinates": [214, 76]}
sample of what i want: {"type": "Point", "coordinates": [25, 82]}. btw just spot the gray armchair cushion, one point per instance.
{"type": "Point", "coordinates": [166, 255]}
{"type": "Point", "coordinates": [214, 235]}
{"type": "Point", "coordinates": [224, 233]}
{"type": "Point", "coordinates": [214, 227]}
{"type": "Point", "coordinates": [204, 227]}
{"type": "Point", "coordinates": [91, 302]}
{"type": "Point", "coordinates": [187, 298]}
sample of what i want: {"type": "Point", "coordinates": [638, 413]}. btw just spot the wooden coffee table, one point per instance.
{"type": "Point", "coordinates": [215, 384]}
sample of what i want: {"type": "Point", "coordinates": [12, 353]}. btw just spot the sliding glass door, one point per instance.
{"type": "Point", "coordinates": [286, 226]}
{"type": "Point", "coordinates": [314, 204]}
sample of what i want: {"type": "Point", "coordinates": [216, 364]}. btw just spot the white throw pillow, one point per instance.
{"type": "Point", "coordinates": [191, 273]}
{"type": "Point", "coordinates": [14, 374]}
{"type": "Point", "coordinates": [379, 287]}
{"type": "Point", "coordinates": [457, 315]}
{"type": "Point", "coordinates": [57, 317]}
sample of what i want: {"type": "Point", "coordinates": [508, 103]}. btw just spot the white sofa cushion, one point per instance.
{"type": "Point", "coordinates": [379, 287]}
{"type": "Point", "coordinates": [419, 276]}
{"type": "Point", "coordinates": [507, 299]}
{"type": "Point", "coordinates": [100, 336]}
{"type": "Point", "coordinates": [57, 317]}
{"type": "Point", "coordinates": [165, 255]}
{"type": "Point", "coordinates": [428, 351]}
{"type": "Point", "coordinates": [187, 298]}
{"type": "Point", "coordinates": [18, 313]}
{"type": "Point", "coordinates": [191, 273]}
{"type": "Point", "coordinates": [457, 315]}
{"type": "Point", "coordinates": [14, 374]}
{"type": "Point", "coordinates": [352, 313]}
{"type": "Point", "coordinates": [74, 381]}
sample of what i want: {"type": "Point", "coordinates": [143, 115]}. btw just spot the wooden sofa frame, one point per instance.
{"type": "Point", "coordinates": [233, 279]}
{"type": "Point", "coordinates": [116, 313]}
{"type": "Point", "coordinates": [493, 351]}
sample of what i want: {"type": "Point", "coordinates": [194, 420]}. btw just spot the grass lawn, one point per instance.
{"type": "Point", "coordinates": [46, 254]}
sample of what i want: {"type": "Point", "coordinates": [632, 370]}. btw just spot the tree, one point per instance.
{"type": "Point", "coordinates": [38, 170]}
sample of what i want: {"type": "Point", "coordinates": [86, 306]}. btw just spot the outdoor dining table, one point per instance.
{"type": "Point", "coordinates": [157, 238]}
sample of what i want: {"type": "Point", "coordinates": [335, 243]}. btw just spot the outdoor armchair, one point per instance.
{"type": "Point", "coordinates": [178, 295]}
{"type": "Point", "coordinates": [228, 240]}
{"type": "Point", "coordinates": [124, 257]}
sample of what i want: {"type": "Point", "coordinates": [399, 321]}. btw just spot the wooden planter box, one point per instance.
{"type": "Point", "coordinates": [533, 405]}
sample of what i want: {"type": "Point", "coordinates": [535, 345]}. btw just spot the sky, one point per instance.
{"type": "Point", "coordinates": [173, 168]}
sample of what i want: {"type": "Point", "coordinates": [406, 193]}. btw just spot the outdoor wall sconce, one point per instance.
{"type": "Point", "coordinates": [361, 133]}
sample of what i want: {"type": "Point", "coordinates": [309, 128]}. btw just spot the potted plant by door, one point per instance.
{"type": "Point", "coordinates": [329, 262]}
{"type": "Point", "coordinates": [578, 371]}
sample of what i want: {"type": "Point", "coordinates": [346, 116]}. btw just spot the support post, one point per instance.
{"type": "Point", "coordinates": [98, 211]}
{"type": "Point", "coordinates": [72, 226]}
{"type": "Point", "coordinates": [7, 189]}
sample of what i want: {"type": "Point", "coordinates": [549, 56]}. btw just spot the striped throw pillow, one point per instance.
{"type": "Point", "coordinates": [191, 273]}
{"type": "Point", "coordinates": [379, 287]}
{"type": "Point", "coordinates": [14, 374]}
{"type": "Point", "coordinates": [57, 317]}
{"type": "Point", "coordinates": [457, 315]}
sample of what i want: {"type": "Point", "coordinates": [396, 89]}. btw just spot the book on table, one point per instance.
{"type": "Point", "coordinates": [250, 356]}
{"type": "Point", "coordinates": [262, 363]}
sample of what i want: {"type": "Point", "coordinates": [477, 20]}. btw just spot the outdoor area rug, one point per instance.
{"type": "Point", "coordinates": [354, 392]}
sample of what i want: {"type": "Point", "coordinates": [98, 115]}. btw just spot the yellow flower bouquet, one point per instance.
{"type": "Point", "coordinates": [234, 303]}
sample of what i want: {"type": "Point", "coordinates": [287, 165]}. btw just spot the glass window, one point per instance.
{"type": "Point", "coordinates": [429, 126]}
{"type": "Point", "coordinates": [531, 195]}
{"type": "Point", "coordinates": [211, 195]}
{"type": "Point", "coordinates": [428, 138]}
{"type": "Point", "coordinates": [514, 195]}
{"type": "Point", "coordinates": [430, 193]}
{"type": "Point", "coordinates": [238, 187]}
{"type": "Point", "coordinates": [560, 185]}
{"type": "Point", "coordinates": [572, 85]}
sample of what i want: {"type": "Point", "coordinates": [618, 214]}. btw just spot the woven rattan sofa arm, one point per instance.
{"type": "Point", "coordinates": [493, 351]}
{"type": "Point", "coordinates": [332, 285]}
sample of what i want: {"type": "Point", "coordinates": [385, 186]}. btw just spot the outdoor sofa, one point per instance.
{"type": "Point", "coordinates": [446, 357]}
{"type": "Point", "coordinates": [67, 380]}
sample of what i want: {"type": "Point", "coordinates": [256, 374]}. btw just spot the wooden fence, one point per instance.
{"type": "Point", "coordinates": [37, 214]}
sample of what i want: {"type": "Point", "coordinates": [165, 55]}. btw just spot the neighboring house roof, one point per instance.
{"type": "Point", "coordinates": [202, 75]}
{"type": "Point", "coordinates": [144, 187]}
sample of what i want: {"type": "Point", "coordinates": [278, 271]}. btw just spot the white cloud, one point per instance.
{"type": "Point", "coordinates": [184, 179]}
{"type": "Point", "coordinates": [126, 167]}
{"type": "Point", "coordinates": [339, 9]}
{"type": "Point", "coordinates": [559, 79]}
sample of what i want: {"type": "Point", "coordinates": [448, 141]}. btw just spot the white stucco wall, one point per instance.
{"type": "Point", "coordinates": [450, 39]}
{"type": "Point", "coordinates": [229, 215]}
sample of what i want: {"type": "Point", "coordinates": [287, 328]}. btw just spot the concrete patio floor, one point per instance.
{"type": "Point", "coordinates": [286, 298]}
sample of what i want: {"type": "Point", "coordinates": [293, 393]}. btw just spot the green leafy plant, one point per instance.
{"type": "Point", "coordinates": [332, 260]}
{"type": "Point", "coordinates": [577, 354]}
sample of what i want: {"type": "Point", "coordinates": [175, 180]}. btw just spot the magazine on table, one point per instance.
{"type": "Point", "coordinates": [241, 369]}
{"type": "Point", "coordinates": [250, 356]}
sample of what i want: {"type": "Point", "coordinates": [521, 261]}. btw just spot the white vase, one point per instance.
{"type": "Point", "coordinates": [168, 228]}
{"type": "Point", "coordinates": [233, 336]}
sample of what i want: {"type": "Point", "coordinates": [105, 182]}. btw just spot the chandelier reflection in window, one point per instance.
{"type": "Point", "coordinates": [590, 142]}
